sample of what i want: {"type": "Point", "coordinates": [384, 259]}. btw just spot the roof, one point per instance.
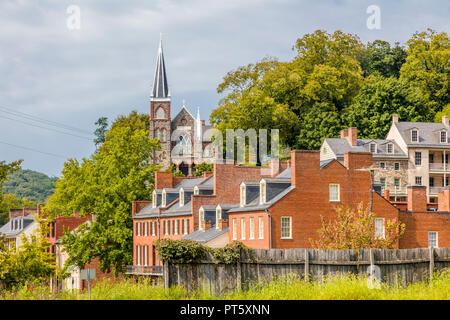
{"type": "Point", "coordinates": [256, 206]}
{"type": "Point", "coordinates": [188, 183]}
{"type": "Point", "coordinates": [285, 174]}
{"type": "Point", "coordinates": [341, 145]}
{"type": "Point", "coordinates": [428, 133]}
{"type": "Point", "coordinates": [205, 235]}
{"type": "Point", "coordinates": [160, 86]}
{"type": "Point", "coordinates": [6, 228]}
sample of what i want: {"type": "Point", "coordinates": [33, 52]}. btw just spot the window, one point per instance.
{"type": "Point", "coordinates": [157, 134]}
{"type": "Point", "coordinates": [397, 166]}
{"type": "Point", "coordinates": [286, 227]}
{"type": "Point", "coordinates": [196, 190]}
{"type": "Point", "coordinates": [252, 228]}
{"type": "Point", "coordinates": [160, 113]}
{"type": "Point", "coordinates": [397, 183]}
{"type": "Point", "coordinates": [163, 201]}
{"type": "Point", "coordinates": [390, 148]}
{"type": "Point", "coordinates": [153, 228]}
{"type": "Point", "coordinates": [418, 157]}
{"type": "Point", "coordinates": [379, 228]}
{"type": "Point", "coordinates": [184, 145]}
{"type": "Point", "coordinates": [218, 216]}
{"type": "Point", "coordinates": [383, 182]}
{"type": "Point", "coordinates": [262, 192]}
{"type": "Point", "coordinates": [186, 226]}
{"type": "Point", "coordinates": [432, 239]}
{"type": "Point", "coordinates": [234, 227]}
{"type": "Point", "coordinates": [242, 199]}
{"type": "Point", "coordinates": [382, 165]}
{"type": "Point", "coordinates": [201, 218]}
{"type": "Point", "coordinates": [431, 158]}
{"type": "Point", "coordinates": [334, 192]}
{"type": "Point", "coordinates": [443, 136]}
{"type": "Point", "coordinates": [181, 197]}
{"type": "Point", "coordinates": [261, 227]}
{"type": "Point", "coordinates": [154, 199]}
{"type": "Point", "coordinates": [418, 181]}
{"type": "Point", "coordinates": [242, 228]}
{"type": "Point", "coordinates": [163, 135]}
{"type": "Point", "coordinates": [145, 256]}
{"type": "Point", "coordinates": [137, 229]}
{"type": "Point", "coordinates": [166, 227]}
{"type": "Point", "coordinates": [175, 227]}
{"type": "Point", "coordinates": [373, 147]}
{"type": "Point", "coordinates": [145, 229]}
{"type": "Point", "coordinates": [414, 136]}
{"type": "Point", "coordinates": [431, 182]}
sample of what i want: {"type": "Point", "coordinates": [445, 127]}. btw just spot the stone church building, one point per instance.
{"type": "Point", "coordinates": [185, 139]}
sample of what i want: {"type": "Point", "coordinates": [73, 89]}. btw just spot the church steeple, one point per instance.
{"type": "Point", "coordinates": [160, 88]}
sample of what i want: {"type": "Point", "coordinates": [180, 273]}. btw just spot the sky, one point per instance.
{"type": "Point", "coordinates": [60, 74]}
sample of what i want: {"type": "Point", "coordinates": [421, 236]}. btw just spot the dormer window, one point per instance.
{"type": "Point", "coordinates": [163, 201]}
{"type": "Point", "coordinates": [196, 190]}
{"type": "Point", "coordinates": [218, 216]}
{"type": "Point", "coordinates": [390, 148]}
{"type": "Point", "coordinates": [443, 137]}
{"type": "Point", "coordinates": [373, 147]}
{"type": "Point", "coordinates": [414, 136]}
{"type": "Point", "coordinates": [154, 199]}
{"type": "Point", "coordinates": [181, 197]}
{"type": "Point", "coordinates": [262, 192]}
{"type": "Point", "coordinates": [242, 198]}
{"type": "Point", "coordinates": [201, 218]}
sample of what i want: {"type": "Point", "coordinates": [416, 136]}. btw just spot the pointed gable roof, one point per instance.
{"type": "Point", "coordinates": [160, 86]}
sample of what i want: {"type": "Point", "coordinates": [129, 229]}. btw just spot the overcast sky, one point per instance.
{"type": "Point", "coordinates": [106, 67]}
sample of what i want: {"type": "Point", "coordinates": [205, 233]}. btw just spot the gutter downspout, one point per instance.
{"type": "Point", "coordinates": [270, 228]}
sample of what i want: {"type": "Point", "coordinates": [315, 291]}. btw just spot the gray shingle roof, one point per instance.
{"type": "Point", "coordinates": [6, 228]}
{"type": "Point", "coordinates": [255, 206]}
{"type": "Point", "coordinates": [160, 86]}
{"type": "Point", "coordinates": [341, 145]}
{"type": "Point", "coordinates": [428, 133]}
{"type": "Point", "coordinates": [285, 174]}
{"type": "Point", "coordinates": [205, 235]}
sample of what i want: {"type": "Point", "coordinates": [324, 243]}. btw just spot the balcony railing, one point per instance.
{"type": "Point", "coordinates": [439, 166]}
{"type": "Point", "coordinates": [145, 270]}
{"type": "Point", "coordinates": [436, 190]}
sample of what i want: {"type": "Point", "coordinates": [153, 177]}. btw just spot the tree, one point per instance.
{"type": "Point", "coordinates": [5, 170]}
{"type": "Point", "coordinates": [445, 112]}
{"type": "Point", "coordinates": [203, 167]}
{"type": "Point", "coordinates": [105, 185]}
{"type": "Point", "coordinates": [380, 98]}
{"type": "Point", "coordinates": [427, 67]}
{"type": "Point", "coordinates": [355, 229]}
{"type": "Point", "coordinates": [100, 132]}
{"type": "Point", "coordinates": [380, 59]}
{"type": "Point", "coordinates": [10, 201]}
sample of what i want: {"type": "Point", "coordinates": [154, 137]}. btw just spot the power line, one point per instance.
{"type": "Point", "coordinates": [42, 120]}
{"type": "Point", "coordinates": [34, 125]}
{"type": "Point", "coordinates": [34, 150]}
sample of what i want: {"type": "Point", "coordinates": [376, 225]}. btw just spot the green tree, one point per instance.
{"type": "Point", "coordinates": [10, 201]}
{"type": "Point", "coordinates": [100, 132]}
{"type": "Point", "coordinates": [5, 170]}
{"type": "Point", "coordinates": [372, 109]}
{"type": "Point", "coordinates": [105, 185]}
{"type": "Point", "coordinates": [445, 112]}
{"type": "Point", "coordinates": [203, 167]}
{"type": "Point", "coordinates": [380, 59]}
{"type": "Point", "coordinates": [427, 67]}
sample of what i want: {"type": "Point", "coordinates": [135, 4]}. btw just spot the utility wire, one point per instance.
{"type": "Point", "coordinates": [50, 129]}
{"type": "Point", "coordinates": [42, 120]}
{"type": "Point", "coordinates": [34, 150]}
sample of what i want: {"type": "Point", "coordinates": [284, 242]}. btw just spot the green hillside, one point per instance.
{"type": "Point", "coordinates": [30, 184]}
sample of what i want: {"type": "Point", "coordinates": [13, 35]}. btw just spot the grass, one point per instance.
{"type": "Point", "coordinates": [342, 287]}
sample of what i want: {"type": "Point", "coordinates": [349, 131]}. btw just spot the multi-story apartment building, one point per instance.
{"type": "Point", "coordinates": [413, 153]}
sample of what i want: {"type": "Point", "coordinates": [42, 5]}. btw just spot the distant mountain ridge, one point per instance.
{"type": "Point", "coordinates": [33, 185]}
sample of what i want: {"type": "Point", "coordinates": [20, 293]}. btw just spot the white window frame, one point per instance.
{"type": "Point", "coordinates": [417, 135]}
{"type": "Point", "coordinates": [382, 165]}
{"type": "Point", "coordinates": [397, 163]}
{"type": "Point", "coordinates": [415, 180]}
{"type": "Point", "coordinates": [243, 228]}
{"type": "Point", "coordinates": [145, 229]}
{"type": "Point", "coordinates": [153, 228]}
{"type": "Point", "coordinates": [252, 228]}
{"type": "Point", "coordinates": [201, 217]}
{"type": "Point", "coordinates": [163, 198]}
{"type": "Point", "coordinates": [138, 255]}
{"type": "Point", "coordinates": [374, 145]}
{"type": "Point", "coordinates": [390, 145]}
{"type": "Point", "coordinates": [242, 195]}
{"type": "Point", "coordinates": [175, 227]}
{"type": "Point", "coordinates": [158, 114]}
{"type": "Point", "coordinates": [186, 224]}
{"type": "Point", "coordinates": [166, 227]}
{"type": "Point", "coordinates": [234, 229]}
{"type": "Point", "coordinates": [196, 191]}
{"type": "Point", "coordinates": [262, 192]}
{"type": "Point", "coordinates": [437, 243]}
{"type": "Point", "coordinates": [218, 216]}
{"type": "Point", "coordinates": [379, 233]}
{"type": "Point", "coordinates": [181, 196]}
{"type": "Point", "coordinates": [338, 192]}
{"type": "Point", "coordinates": [261, 227]}
{"type": "Point", "coordinates": [154, 199]}
{"type": "Point", "coordinates": [440, 136]}
{"type": "Point", "coordinates": [289, 218]}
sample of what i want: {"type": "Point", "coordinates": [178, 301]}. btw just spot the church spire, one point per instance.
{"type": "Point", "coordinates": [160, 87]}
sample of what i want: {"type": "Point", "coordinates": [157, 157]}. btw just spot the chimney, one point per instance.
{"type": "Point", "coordinates": [394, 118]}
{"type": "Point", "coordinates": [207, 174]}
{"type": "Point", "coordinates": [386, 194]}
{"type": "Point", "coordinates": [221, 224]}
{"type": "Point", "coordinates": [163, 179]}
{"type": "Point", "coordinates": [417, 198]}
{"type": "Point", "coordinates": [202, 122]}
{"type": "Point", "coordinates": [357, 160]}
{"type": "Point", "coordinates": [351, 134]}
{"type": "Point", "coordinates": [206, 224]}
{"type": "Point", "coordinates": [444, 200]}
{"type": "Point", "coordinates": [344, 133]}
{"type": "Point", "coordinates": [305, 166]}
{"type": "Point", "coordinates": [445, 120]}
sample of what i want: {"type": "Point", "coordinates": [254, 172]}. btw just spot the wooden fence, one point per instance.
{"type": "Point", "coordinates": [401, 266]}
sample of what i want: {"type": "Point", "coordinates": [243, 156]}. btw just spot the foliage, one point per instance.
{"type": "Point", "coordinates": [5, 170]}
{"type": "Point", "coordinates": [203, 167]}
{"type": "Point", "coordinates": [176, 173]}
{"type": "Point", "coordinates": [30, 263]}
{"type": "Point", "coordinates": [380, 59]}
{"type": "Point", "coordinates": [427, 67]}
{"type": "Point", "coordinates": [105, 185]}
{"type": "Point", "coordinates": [180, 251]}
{"type": "Point", "coordinates": [10, 201]}
{"type": "Point", "coordinates": [29, 184]}
{"type": "Point", "coordinates": [356, 230]}
{"type": "Point", "coordinates": [100, 132]}
{"type": "Point", "coordinates": [445, 112]}
{"type": "Point", "coordinates": [380, 98]}
{"type": "Point", "coordinates": [230, 254]}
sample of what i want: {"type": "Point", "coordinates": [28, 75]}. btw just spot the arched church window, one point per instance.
{"type": "Point", "coordinates": [160, 113]}
{"type": "Point", "coordinates": [157, 134]}
{"type": "Point", "coordinates": [184, 145]}
{"type": "Point", "coordinates": [163, 135]}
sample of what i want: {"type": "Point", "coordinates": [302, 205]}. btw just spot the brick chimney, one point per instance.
{"type": "Point", "coordinates": [357, 160]}
{"type": "Point", "coordinates": [202, 122]}
{"type": "Point", "coordinates": [351, 134]}
{"type": "Point", "coordinates": [417, 198]}
{"type": "Point", "coordinates": [305, 166]}
{"type": "Point", "coordinates": [344, 133]}
{"type": "Point", "coordinates": [163, 179]}
{"type": "Point", "coordinates": [395, 118]}
{"type": "Point", "coordinates": [221, 224]}
{"type": "Point", "coordinates": [445, 120]}
{"type": "Point", "coordinates": [444, 200]}
{"type": "Point", "coordinates": [386, 194]}
{"type": "Point", "coordinates": [206, 224]}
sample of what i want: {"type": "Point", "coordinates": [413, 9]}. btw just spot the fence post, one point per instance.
{"type": "Point", "coordinates": [431, 250]}
{"type": "Point", "coordinates": [166, 274]}
{"type": "Point", "coordinates": [306, 264]}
